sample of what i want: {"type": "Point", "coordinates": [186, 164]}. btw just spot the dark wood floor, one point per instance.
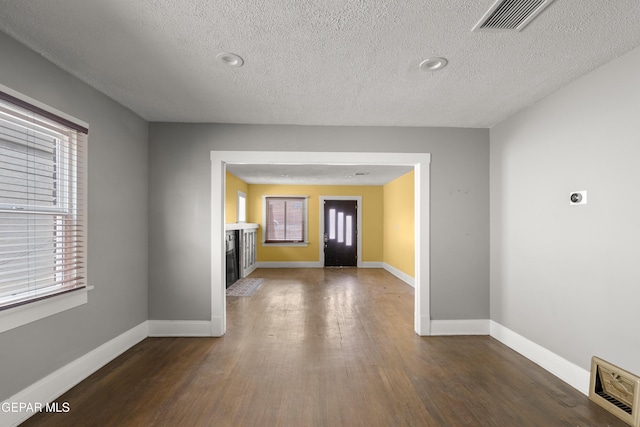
{"type": "Point", "coordinates": [324, 347]}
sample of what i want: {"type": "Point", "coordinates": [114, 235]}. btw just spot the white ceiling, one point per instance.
{"type": "Point", "coordinates": [317, 174]}
{"type": "Point", "coordinates": [329, 62]}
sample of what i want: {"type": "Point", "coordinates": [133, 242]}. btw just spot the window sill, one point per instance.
{"type": "Point", "coordinates": [303, 244]}
{"type": "Point", "coordinates": [24, 314]}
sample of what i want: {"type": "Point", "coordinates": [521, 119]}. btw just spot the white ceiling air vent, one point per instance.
{"type": "Point", "coordinates": [511, 15]}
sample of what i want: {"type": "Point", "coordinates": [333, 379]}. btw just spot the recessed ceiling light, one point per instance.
{"type": "Point", "coordinates": [230, 59]}
{"type": "Point", "coordinates": [433, 64]}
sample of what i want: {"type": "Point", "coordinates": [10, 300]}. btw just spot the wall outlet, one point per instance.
{"type": "Point", "coordinates": [578, 198]}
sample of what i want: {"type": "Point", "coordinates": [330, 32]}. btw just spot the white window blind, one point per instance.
{"type": "Point", "coordinates": [285, 219]}
{"type": "Point", "coordinates": [42, 204]}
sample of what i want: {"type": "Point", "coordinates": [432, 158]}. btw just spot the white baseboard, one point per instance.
{"type": "Point", "coordinates": [289, 264]}
{"type": "Point", "coordinates": [217, 330]}
{"type": "Point", "coordinates": [57, 383]}
{"type": "Point", "coordinates": [422, 325]}
{"type": "Point", "coordinates": [573, 375]}
{"type": "Point", "coordinates": [316, 264]}
{"type": "Point", "coordinates": [460, 327]}
{"type": "Point", "coordinates": [249, 270]}
{"type": "Point", "coordinates": [399, 274]}
{"type": "Point", "coordinates": [371, 264]}
{"type": "Point", "coordinates": [180, 328]}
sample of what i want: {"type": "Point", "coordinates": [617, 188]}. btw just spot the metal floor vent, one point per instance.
{"type": "Point", "coordinates": [616, 390]}
{"type": "Point", "coordinates": [511, 15]}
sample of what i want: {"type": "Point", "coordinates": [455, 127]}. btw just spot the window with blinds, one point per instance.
{"type": "Point", "coordinates": [42, 203]}
{"type": "Point", "coordinates": [286, 219]}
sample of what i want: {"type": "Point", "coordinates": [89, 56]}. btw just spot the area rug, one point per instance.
{"type": "Point", "coordinates": [244, 287]}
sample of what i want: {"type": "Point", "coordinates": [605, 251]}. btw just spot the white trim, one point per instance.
{"type": "Point", "coordinates": [249, 270]}
{"type": "Point", "coordinates": [419, 161]}
{"type": "Point", "coordinates": [217, 325]}
{"type": "Point", "coordinates": [289, 264]}
{"type": "Point", "coordinates": [241, 226]}
{"type": "Point", "coordinates": [422, 324]}
{"type": "Point", "coordinates": [568, 372]}
{"type": "Point", "coordinates": [30, 312]}
{"type": "Point", "coordinates": [218, 247]}
{"type": "Point", "coordinates": [303, 244]}
{"type": "Point", "coordinates": [371, 264]}
{"type": "Point", "coordinates": [400, 274]}
{"type": "Point", "coordinates": [44, 106]}
{"type": "Point", "coordinates": [310, 264]}
{"type": "Point", "coordinates": [460, 327]}
{"type": "Point", "coordinates": [57, 383]}
{"type": "Point", "coordinates": [422, 244]}
{"type": "Point", "coordinates": [180, 328]}
{"type": "Point", "coordinates": [241, 195]}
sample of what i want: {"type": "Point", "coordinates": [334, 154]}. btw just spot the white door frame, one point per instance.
{"type": "Point", "coordinates": [358, 200]}
{"type": "Point", "coordinates": [419, 161]}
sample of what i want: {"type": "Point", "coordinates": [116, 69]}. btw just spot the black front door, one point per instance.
{"type": "Point", "coordinates": [340, 233]}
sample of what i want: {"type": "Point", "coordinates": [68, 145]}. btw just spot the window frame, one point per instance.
{"type": "Point", "coordinates": [305, 226]}
{"type": "Point", "coordinates": [15, 313]}
{"type": "Point", "coordinates": [241, 208]}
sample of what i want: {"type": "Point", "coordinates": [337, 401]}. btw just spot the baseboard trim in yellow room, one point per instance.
{"type": "Point", "coordinates": [371, 264]}
{"type": "Point", "coordinates": [400, 275]}
{"type": "Point", "coordinates": [289, 264]}
{"type": "Point", "coordinates": [315, 264]}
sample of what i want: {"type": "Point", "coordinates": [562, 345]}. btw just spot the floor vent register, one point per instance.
{"type": "Point", "coordinates": [616, 390]}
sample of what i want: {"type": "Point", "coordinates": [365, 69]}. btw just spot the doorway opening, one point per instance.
{"type": "Point", "coordinates": [421, 166]}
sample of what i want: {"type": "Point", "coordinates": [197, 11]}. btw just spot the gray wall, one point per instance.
{"type": "Point", "coordinates": [117, 252]}
{"type": "Point", "coordinates": [567, 277]}
{"type": "Point", "coordinates": [179, 206]}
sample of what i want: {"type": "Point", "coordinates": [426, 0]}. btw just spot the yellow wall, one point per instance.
{"type": "Point", "coordinates": [234, 184]}
{"type": "Point", "coordinates": [398, 236]}
{"type": "Point", "coordinates": [387, 219]}
{"type": "Point", "coordinates": [372, 208]}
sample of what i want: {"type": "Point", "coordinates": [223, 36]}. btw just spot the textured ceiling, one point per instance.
{"type": "Point", "coordinates": [317, 174]}
{"type": "Point", "coordinates": [330, 62]}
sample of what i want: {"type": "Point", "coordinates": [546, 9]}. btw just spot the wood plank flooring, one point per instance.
{"type": "Point", "coordinates": [324, 347]}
